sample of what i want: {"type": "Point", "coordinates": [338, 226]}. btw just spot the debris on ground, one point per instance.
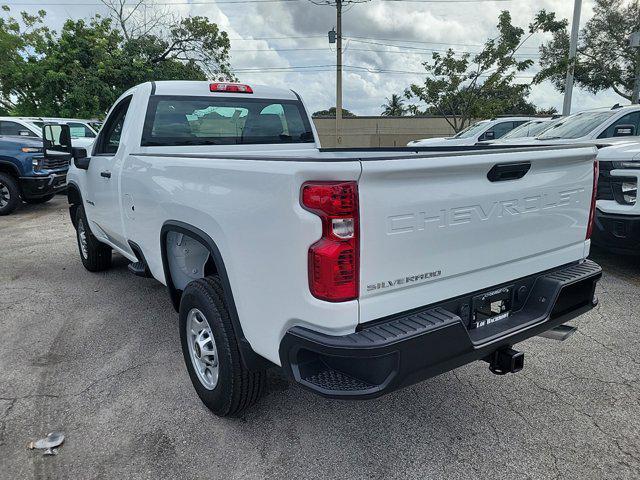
{"type": "Point", "coordinates": [49, 444]}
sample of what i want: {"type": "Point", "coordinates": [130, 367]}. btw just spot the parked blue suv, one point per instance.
{"type": "Point", "coordinates": [26, 174]}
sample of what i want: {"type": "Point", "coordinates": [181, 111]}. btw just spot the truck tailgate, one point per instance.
{"type": "Point", "coordinates": [436, 227]}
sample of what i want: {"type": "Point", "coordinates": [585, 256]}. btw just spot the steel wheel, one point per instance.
{"type": "Point", "coordinates": [82, 238]}
{"type": "Point", "coordinates": [202, 349]}
{"type": "Point", "coordinates": [5, 195]}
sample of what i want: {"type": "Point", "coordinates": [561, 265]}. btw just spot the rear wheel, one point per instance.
{"type": "Point", "coordinates": [95, 256]}
{"type": "Point", "coordinates": [40, 199]}
{"type": "Point", "coordinates": [9, 194]}
{"type": "Point", "coordinates": [210, 350]}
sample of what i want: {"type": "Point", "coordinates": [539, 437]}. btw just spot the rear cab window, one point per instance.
{"type": "Point", "coordinates": [178, 121]}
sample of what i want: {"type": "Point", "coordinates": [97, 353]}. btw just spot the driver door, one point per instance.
{"type": "Point", "coordinates": [102, 202]}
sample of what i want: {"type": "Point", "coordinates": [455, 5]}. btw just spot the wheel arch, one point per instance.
{"type": "Point", "coordinates": [10, 168]}
{"type": "Point", "coordinates": [74, 197]}
{"type": "Point", "coordinates": [250, 358]}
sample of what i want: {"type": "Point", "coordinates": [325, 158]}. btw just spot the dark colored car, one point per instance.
{"type": "Point", "coordinates": [26, 174]}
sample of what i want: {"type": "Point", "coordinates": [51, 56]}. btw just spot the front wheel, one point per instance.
{"type": "Point", "coordinates": [38, 200]}
{"type": "Point", "coordinates": [9, 194]}
{"type": "Point", "coordinates": [95, 256]}
{"type": "Point", "coordinates": [210, 350]}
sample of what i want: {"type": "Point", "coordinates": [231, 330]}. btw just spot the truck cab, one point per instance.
{"type": "Point", "coordinates": [83, 132]}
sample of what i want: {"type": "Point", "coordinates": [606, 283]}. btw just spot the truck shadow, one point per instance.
{"type": "Point", "coordinates": [626, 266]}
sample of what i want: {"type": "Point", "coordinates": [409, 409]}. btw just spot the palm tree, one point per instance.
{"type": "Point", "coordinates": [394, 107]}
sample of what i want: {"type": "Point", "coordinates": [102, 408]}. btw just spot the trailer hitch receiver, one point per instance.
{"type": "Point", "coordinates": [505, 360]}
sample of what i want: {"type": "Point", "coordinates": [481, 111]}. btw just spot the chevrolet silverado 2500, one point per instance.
{"type": "Point", "coordinates": [356, 271]}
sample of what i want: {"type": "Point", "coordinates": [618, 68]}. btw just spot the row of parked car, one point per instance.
{"type": "Point", "coordinates": [614, 130]}
{"type": "Point", "coordinates": [26, 174]}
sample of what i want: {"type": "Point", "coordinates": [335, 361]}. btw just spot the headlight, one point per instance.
{"type": "Point", "coordinates": [629, 191]}
{"type": "Point", "coordinates": [630, 164]}
{"type": "Point", "coordinates": [36, 162]}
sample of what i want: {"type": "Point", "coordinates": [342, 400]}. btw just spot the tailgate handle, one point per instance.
{"type": "Point", "coordinates": [508, 171]}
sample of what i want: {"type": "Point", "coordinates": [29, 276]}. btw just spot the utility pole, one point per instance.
{"type": "Point", "coordinates": [339, 73]}
{"type": "Point", "coordinates": [336, 37]}
{"type": "Point", "coordinates": [573, 49]}
{"type": "Point", "coordinates": [634, 42]}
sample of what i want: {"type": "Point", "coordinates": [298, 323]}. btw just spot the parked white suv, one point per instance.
{"type": "Point", "coordinates": [526, 132]}
{"type": "Point", "coordinates": [478, 132]}
{"type": "Point", "coordinates": [589, 126]}
{"type": "Point", "coordinates": [81, 132]}
{"type": "Point", "coordinates": [356, 271]}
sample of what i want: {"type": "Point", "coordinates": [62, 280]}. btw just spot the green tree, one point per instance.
{"type": "Point", "coordinates": [547, 111]}
{"type": "Point", "coordinates": [464, 87]}
{"type": "Point", "coordinates": [332, 113]}
{"type": "Point", "coordinates": [81, 71]}
{"type": "Point", "coordinates": [605, 60]}
{"type": "Point", "coordinates": [394, 107]}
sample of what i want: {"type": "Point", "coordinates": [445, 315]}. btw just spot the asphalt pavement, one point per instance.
{"type": "Point", "coordinates": [98, 357]}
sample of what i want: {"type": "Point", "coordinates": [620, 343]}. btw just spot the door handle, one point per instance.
{"type": "Point", "coordinates": [105, 174]}
{"type": "Point", "coordinates": [508, 171]}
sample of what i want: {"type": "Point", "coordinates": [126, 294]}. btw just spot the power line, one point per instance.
{"type": "Point", "coordinates": [323, 68]}
{"type": "Point", "coordinates": [213, 2]}
{"type": "Point", "coordinates": [320, 49]}
{"type": "Point", "coordinates": [424, 49]}
{"type": "Point", "coordinates": [277, 38]}
{"type": "Point", "coordinates": [161, 4]}
{"type": "Point", "coordinates": [428, 42]}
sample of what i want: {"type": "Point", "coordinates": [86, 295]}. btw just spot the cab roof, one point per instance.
{"type": "Point", "coordinates": [201, 88]}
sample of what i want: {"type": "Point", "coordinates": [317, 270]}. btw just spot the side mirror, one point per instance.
{"type": "Point", "coordinates": [489, 135]}
{"type": "Point", "coordinates": [624, 131]}
{"type": "Point", "coordinates": [56, 140]}
{"type": "Point", "coordinates": [80, 158]}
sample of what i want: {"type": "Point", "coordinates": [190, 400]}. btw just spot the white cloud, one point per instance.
{"type": "Point", "coordinates": [300, 30]}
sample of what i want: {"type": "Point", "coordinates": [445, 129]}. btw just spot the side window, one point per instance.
{"type": "Point", "coordinates": [109, 138]}
{"type": "Point", "coordinates": [79, 130]}
{"type": "Point", "coordinates": [13, 128]}
{"type": "Point", "coordinates": [628, 119]}
{"type": "Point", "coordinates": [502, 128]}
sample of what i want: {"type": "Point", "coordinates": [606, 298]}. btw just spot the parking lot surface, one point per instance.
{"type": "Point", "coordinates": [98, 357]}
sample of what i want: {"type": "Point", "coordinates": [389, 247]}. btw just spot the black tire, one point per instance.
{"type": "Point", "coordinates": [97, 256]}
{"type": "Point", "coordinates": [9, 194]}
{"type": "Point", "coordinates": [36, 201]}
{"type": "Point", "coordinates": [237, 388]}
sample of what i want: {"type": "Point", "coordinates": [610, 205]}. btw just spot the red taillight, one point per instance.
{"type": "Point", "coordinates": [334, 260]}
{"type": "Point", "coordinates": [230, 88]}
{"type": "Point", "coordinates": [592, 212]}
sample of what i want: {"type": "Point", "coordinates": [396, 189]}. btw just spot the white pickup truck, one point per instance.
{"type": "Point", "coordinates": [617, 221]}
{"type": "Point", "coordinates": [356, 271]}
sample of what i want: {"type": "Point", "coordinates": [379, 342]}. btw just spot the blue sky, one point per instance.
{"type": "Point", "coordinates": [285, 44]}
